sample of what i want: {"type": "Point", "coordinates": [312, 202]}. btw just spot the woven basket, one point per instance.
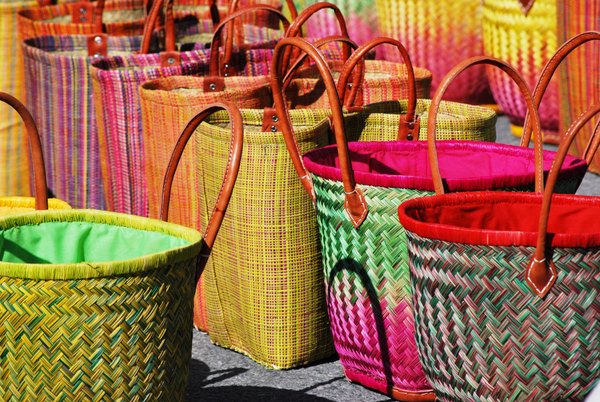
{"type": "Point", "coordinates": [438, 34]}
{"type": "Point", "coordinates": [116, 82]}
{"type": "Point", "coordinates": [503, 310]}
{"type": "Point", "coordinates": [107, 315]}
{"type": "Point", "coordinates": [526, 39]}
{"type": "Point", "coordinates": [365, 263]}
{"type": "Point", "coordinates": [579, 84]}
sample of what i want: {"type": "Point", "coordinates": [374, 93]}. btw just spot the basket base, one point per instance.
{"type": "Point", "coordinates": [380, 385]}
{"type": "Point", "coordinates": [549, 136]}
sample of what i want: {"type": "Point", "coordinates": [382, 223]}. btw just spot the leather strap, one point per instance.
{"type": "Point", "coordinates": [87, 12]}
{"type": "Point", "coordinates": [35, 150]}
{"type": "Point", "coordinates": [219, 67]}
{"type": "Point", "coordinates": [409, 123]}
{"type": "Point", "coordinates": [526, 5]}
{"type": "Point", "coordinates": [541, 273]}
{"type": "Point", "coordinates": [354, 202]}
{"type": "Point", "coordinates": [548, 72]}
{"type": "Point", "coordinates": [229, 178]}
{"type": "Point", "coordinates": [532, 110]}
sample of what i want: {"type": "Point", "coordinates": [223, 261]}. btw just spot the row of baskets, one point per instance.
{"type": "Point", "coordinates": [284, 283]}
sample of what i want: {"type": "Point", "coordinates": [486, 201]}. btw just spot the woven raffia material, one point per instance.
{"type": "Point", "coordinates": [104, 331]}
{"type": "Point", "coordinates": [581, 84]}
{"type": "Point", "coordinates": [14, 170]}
{"type": "Point", "coordinates": [438, 34]}
{"type": "Point", "coordinates": [526, 42]}
{"type": "Point", "coordinates": [17, 205]}
{"type": "Point", "coordinates": [116, 82]}
{"type": "Point", "coordinates": [59, 93]}
{"type": "Point", "coordinates": [484, 335]}
{"type": "Point", "coordinates": [167, 106]}
{"type": "Point", "coordinates": [264, 280]}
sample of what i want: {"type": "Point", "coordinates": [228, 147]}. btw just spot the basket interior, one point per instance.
{"type": "Point", "coordinates": [76, 242]}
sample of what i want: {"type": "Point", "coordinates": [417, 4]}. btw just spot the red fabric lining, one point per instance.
{"type": "Point", "coordinates": [503, 218]}
{"type": "Point", "coordinates": [465, 165]}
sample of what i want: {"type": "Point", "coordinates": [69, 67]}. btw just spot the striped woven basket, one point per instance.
{"type": "Point", "coordinates": [116, 82]}
{"type": "Point", "coordinates": [506, 300]}
{"type": "Point", "coordinates": [525, 36]}
{"type": "Point", "coordinates": [365, 262]}
{"type": "Point", "coordinates": [438, 34]}
{"type": "Point", "coordinates": [580, 84]}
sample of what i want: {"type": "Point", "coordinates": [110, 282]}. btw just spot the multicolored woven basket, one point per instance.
{"type": "Point", "coordinates": [524, 34]}
{"type": "Point", "coordinates": [506, 300]}
{"type": "Point", "coordinates": [364, 258]}
{"type": "Point", "coordinates": [580, 84]}
{"type": "Point", "coordinates": [438, 34]}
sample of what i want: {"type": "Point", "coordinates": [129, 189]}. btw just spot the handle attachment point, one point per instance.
{"type": "Point", "coordinates": [540, 275]}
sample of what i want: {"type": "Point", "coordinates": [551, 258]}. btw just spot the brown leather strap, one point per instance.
{"type": "Point", "coordinates": [295, 28]}
{"type": "Point", "coordinates": [221, 67]}
{"type": "Point", "coordinates": [229, 178]}
{"type": "Point", "coordinates": [435, 104]}
{"type": "Point", "coordinates": [35, 150]}
{"type": "Point", "coordinates": [548, 72]}
{"type": "Point", "coordinates": [592, 146]}
{"type": "Point", "coordinates": [526, 5]}
{"type": "Point", "coordinates": [541, 273]}
{"type": "Point", "coordinates": [87, 12]}
{"type": "Point", "coordinates": [354, 203]}
{"type": "Point", "coordinates": [409, 125]}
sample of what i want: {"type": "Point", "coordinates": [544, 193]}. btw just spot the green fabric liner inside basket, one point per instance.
{"type": "Point", "coordinates": [73, 242]}
{"type": "Point", "coordinates": [85, 244]}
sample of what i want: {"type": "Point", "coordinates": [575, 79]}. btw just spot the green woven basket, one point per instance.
{"type": "Point", "coordinates": [95, 306]}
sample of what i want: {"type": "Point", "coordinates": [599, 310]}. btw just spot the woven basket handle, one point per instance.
{"type": "Point", "coordinates": [541, 273]}
{"type": "Point", "coordinates": [435, 104]}
{"type": "Point", "coordinates": [35, 150]}
{"type": "Point", "coordinates": [229, 178]}
{"type": "Point", "coordinates": [220, 67]}
{"type": "Point", "coordinates": [549, 70]}
{"type": "Point", "coordinates": [295, 28]}
{"type": "Point", "coordinates": [354, 203]}
{"type": "Point", "coordinates": [409, 124]}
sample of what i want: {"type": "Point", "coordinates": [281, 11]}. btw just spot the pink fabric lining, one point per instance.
{"type": "Point", "coordinates": [464, 165]}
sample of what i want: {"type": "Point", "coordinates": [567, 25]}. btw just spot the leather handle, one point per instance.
{"type": "Point", "coordinates": [435, 104]}
{"type": "Point", "coordinates": [354, 202]}
{"type": "Point", "coordinates": [229, 178]}
{"type": "Point", "coordinates": [35, 150]}
{"type": "Point", "coordinates": [526, 5]}
{"type": "Point", "coordinates": [409, 124]}
{"type": "Point", "coordinates": [541, 273]}
{"type": "Point", "coordinates": [548, 72]}
{"type": "Point", "coordinates": [214, 80]}
{"type": "Point", "coordinates": [295, 28]}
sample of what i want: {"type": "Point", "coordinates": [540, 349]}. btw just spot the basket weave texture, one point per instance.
{"type": "Point", "coordinates": [116, 330]}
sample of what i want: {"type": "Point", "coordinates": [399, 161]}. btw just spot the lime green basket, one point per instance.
{"type": "Point", "coordinates": [95, 305]}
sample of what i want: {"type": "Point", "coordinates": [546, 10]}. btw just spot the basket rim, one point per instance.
{"type": "Point", "coordinates": [408, 210]}
{"type": "Point", "coordinates": [90, 270]}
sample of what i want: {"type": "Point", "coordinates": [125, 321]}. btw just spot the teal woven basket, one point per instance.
{"type": "Point", "coordinates": [95, 306]}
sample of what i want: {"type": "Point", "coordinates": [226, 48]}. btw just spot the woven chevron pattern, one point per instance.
{"type": "Point", "coordinates": [264, 281]}
{"type": "Point", "coordinates": [96, 334]}
{"type": "Point", "coordinates": [368, 288]}
{"type": "Point", "coordinates": [526, 42]}
{"type": "Point", "coordinates": [438, 34]}
{"type": "Point", "coordinates": [483, 335]}
{"type": "Point", "coordinates": [580, 86]}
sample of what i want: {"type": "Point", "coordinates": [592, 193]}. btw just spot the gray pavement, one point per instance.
{"type": "Point", "coordinates": [217, 374]}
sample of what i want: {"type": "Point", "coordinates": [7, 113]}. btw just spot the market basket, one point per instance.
{"type": "Point", "coordinates": [357, 187]}
{"type": "Point", "coordinates": [98, 305]}
{"type": "Point", "coordinates": [505, 290]}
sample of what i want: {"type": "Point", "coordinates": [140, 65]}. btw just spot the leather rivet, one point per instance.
{"type": "Point", "coordinates": [171, 60]}
{"type": "Point", "coordinates": [83, 19]}
{"type": "Point", "coordinates": [97, 55]}
{"type": "Point", "coordinates": [213, 87]}
{"type": "Point", "coordinates": [82, 10]}
{"type": "Point", "coordinates": [275, 118]}
{"type": "Point", "coordinates": [225, 75]}
{"type": "Point", "coordinates": [349, 85]}
{"type": "Point", "coordinates": [409, 136]}
{"type": "Point", "coordinates": [98, 39]}
{"type": "Point", "coordinates": [411, 124]}
{"type": "Point", "coordinates": [273, 129]}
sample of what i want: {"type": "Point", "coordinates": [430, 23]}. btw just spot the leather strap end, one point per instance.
{"type": "Point", "coordinates": [541, 276]}
{"type": "Point", "coordinates": [170, 59]}
{"type": "Point", "coordinates": [214, 84]}
{"type": "Point", "coordinates": [270, 121]}
{"type": "Point", "coordinates": [228, 70]}
{"type": "Point", "coordinates": [356, 207]}
{"type": "Point", "coordinates": [310, 188]}
{"type": "Point", "coordinates": [83, 12]}
{"type": "Point", "coordinates": [409, 130]}
{"type": "Point", "coordinates": [97, 45]}
{"type": "Point", "coordinates": [526, 5]}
